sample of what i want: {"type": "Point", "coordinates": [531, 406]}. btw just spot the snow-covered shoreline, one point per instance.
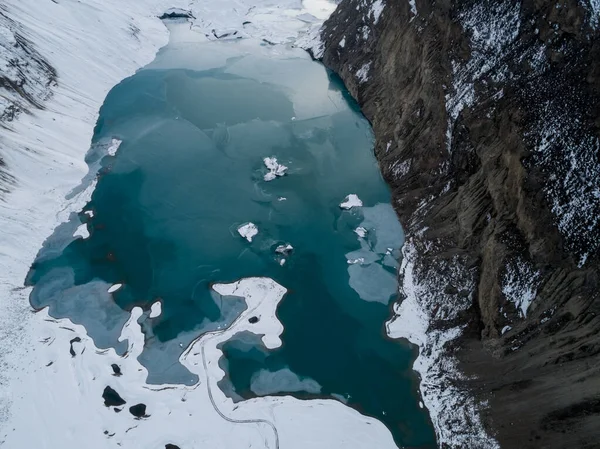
{"type": "Point", "coordinates": [455, 414]}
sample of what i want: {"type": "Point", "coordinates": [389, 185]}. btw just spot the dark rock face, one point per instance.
{"type": "Point", "coordinates": [487, 119]}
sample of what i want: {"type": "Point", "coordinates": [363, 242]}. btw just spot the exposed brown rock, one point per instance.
{"type": "Point", "coordinates": [510, 194]}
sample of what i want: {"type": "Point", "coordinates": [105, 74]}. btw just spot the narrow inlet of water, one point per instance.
{"type": "Point", "coordinates": [193, 130]}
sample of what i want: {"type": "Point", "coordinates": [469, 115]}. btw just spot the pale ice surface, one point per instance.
{"type": "Point", "coordinates": [373, 267]}
{"type": "Point", "coordinates": [265, 382]}
{"type": "Point", "coordinates": [377, 10]}
{"type": "Point", "coordinates": [372, 282]}
{"type": "Point", "coordinates": [351, 201]}
{"type": "Point", "coordinates": [248, 231]}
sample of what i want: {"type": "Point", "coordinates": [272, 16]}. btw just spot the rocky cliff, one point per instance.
{"type": "Point", "coordinates": [487, 119]}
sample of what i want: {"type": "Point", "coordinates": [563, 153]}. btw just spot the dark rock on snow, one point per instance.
{"type": "Point", "coordinates": [138, 410]}
{"type": "Point", "coordinates": [487, 119]}
{"type": "Point", "coordinates": [112, 398]}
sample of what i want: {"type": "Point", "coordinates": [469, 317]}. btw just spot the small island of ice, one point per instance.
{"type": "Point", "coordinates": [275, 168]}
{"type": "Point", "coordinates": [351, 201]}
{"type": "Point", "coordinates": [248, 231]}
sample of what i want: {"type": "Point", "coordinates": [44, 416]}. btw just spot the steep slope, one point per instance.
{"type": "Point", "coordinates": [487, 118]}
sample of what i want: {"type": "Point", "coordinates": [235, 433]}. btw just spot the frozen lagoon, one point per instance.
{"type": "Point", "coordinates": [195, 128]}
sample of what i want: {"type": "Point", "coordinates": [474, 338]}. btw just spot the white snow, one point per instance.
{"type": "Point", "coordinates": [351, 201]}
{"type": "Point", "coordinates": [155, 310]}
{"type": "Point", "coordinates": [114, 288]}
{"type": "Point", "coordinates": [343, 42]}
{"type": "Point", "coordinates": [82, 231]}
{"type": "Point", "coordinates": [505, 329]}
{"type": "Point", "coordinates": [595, 12]}
{"type": "Point", "coordinates": [413, 8]}
{"type": "Point", "coordinates": [275, 168]}
{"type": "Point", "coordinates": [377, 9]}
{"type": "Point", "coordinates": [520, 284]}
{"type": "Point", "coordinates": [363, 73]}
{"type": "Point", "coordinates": [248, 231]}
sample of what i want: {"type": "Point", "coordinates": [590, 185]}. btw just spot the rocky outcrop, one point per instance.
{"type": "Point", "coordinates": [487, 119]}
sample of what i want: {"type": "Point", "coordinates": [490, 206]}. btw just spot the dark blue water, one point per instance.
{"type": "Point", "coordinates": [195, 127]}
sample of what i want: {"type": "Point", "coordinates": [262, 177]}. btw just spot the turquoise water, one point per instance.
{"type": "Point", "coordinates": [195, 126]}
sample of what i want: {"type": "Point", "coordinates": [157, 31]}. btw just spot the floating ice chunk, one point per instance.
{"type": "Point", "coordinates": [114, 288]}
{"type": "Point", "coordinates": [282, 262]}
{"type": "Point", "coordinates": [284, 249]}
{"type": "Point", "coordinates": [275, 169]}
{"type": "Point", "coordinates": [351, 201]}
{"type": "Point", "coordinates": [248, 231]}
{"type": "Point", "coordinates": [114, 147]}
{"type": "Point", "coordinates": [282, 198]}
{"type": "Point", "coordinates": [82, 231]}
{"type": "Point", "coordinates": [155, 309]}
{"type": "Point", "coordinates": [361, 232]}
{"type": "Point", "coordinates": [360, 260]}
{"type": "Point", "coordinates": [89, 213]}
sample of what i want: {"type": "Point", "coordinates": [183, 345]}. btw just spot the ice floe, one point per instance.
{"type": "Point", "coordinates": [248, 231]}
{"type": "Point", "coordinates": [351, 201]}
{"type": "Point", "coordinates": [275, 168]}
